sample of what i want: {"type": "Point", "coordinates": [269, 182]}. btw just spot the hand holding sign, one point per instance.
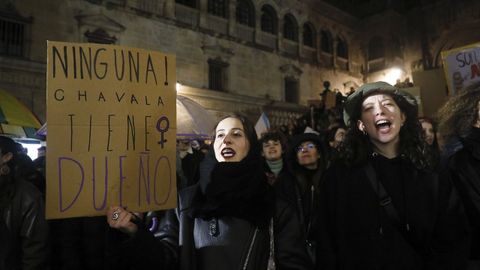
{"type": "Point", "coordinates": [121, 219]}
{"type": "Point", "coordinates": [102, 104]}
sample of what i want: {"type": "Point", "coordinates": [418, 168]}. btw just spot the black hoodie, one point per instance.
{"type": "Point", "coordinates": [356, 233]}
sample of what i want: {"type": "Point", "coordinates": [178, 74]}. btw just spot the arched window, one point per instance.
{"type": "Point", "coordinates": [291, 90]}
{"type": "Point", "coordinates": [396, 48]}
{"type": "Point", "coordinates": [309, 35]}
{"type": "Point", "coordinates": [376, 49]}
{"type": "Point", "coordinates": [269, 20]}
{"type": "Point", "coordinates": [342, 49]}
{"type": "Point", "coordinates": [189, 3]}
{"type": "Point", "coordinates": [245, 13]}
{"type": "Point", "coordinates": [217, 8]}
{"type": "Point", "coordinates": [12, 39]}
{"type": "Point", "coordinates": [326, 41]}
{"type": "Point", "coordinates": [100, 36]}
{"type": "Point", "coordinates": [290, 28]}
{"type": "Point", "coordinates": [14, 32]}
{"type": "Point", "coordinates": [217, 74]}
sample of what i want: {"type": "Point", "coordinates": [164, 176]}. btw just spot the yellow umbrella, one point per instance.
{"type": "Point", "coordinates": [15, 118]}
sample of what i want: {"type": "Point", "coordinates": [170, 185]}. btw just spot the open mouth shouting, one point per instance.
{"type": "Point", "coordinates": [383, 125]}
{"type": "Point", "coordinates": [227, 153]}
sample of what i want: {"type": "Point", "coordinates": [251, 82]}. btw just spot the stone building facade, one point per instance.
{"type": "Point", "coordinates": [239, 55]}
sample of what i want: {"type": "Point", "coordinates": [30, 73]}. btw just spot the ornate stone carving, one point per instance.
{"type": "Point", "coordinates": [291, 70]}
{"type": "Point", "coordinates": [93, 22]}
{"type": "Point", "coordinates": [218, 52]}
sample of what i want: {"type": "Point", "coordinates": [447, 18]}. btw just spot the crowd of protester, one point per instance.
{"type": "Point", "coordinates": [370, 185]}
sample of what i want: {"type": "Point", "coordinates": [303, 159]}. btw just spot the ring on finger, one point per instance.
{"type": "Point", "coordinates": [115, 214]}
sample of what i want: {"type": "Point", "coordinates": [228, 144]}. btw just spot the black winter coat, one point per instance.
{"type": "Point", "coordinates": [464, 167]}
{"type": "Point", "coordinates": [24, 230]}
{"type": "Point", "coordinates": [356, 233]}
{"type": "Point", "coordinates": [302, 192]}
{"type": "Point", "coordinates": [191, 168]}
{"type": "Point", "coordinates": [79, 243]}
{"type": "Point", "coordinates": [222, 244]}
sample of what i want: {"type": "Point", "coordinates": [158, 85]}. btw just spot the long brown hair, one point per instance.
{"type": "Point", "coordinates": [460, 112]}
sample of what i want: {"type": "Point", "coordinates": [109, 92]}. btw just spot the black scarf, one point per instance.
{"type": "Point", "coordinates": [235, 189]}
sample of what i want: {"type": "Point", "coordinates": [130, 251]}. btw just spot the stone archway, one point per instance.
{"type": "Point", "coordinates": [455, 37]}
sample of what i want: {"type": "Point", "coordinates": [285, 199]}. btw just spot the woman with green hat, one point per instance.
{"type": "Point", "coordinates": [382, 205]}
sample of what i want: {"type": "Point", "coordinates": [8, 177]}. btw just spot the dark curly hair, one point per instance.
{"type": "Point", "coordinates": [357, 147]}
{"type": "Point", "coordinates": [274, 135]}
{"type": "Point", "coordinates": [459, 113]}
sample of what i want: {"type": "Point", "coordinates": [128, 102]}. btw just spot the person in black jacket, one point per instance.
{"type": "Point", "coordinates": [23, 228]}
{"type": "Point", "coordinates": [299, 185]}
{"type": "Point", "coordinates": [460, 120]}
{"type": "Point", "coordinates": [382, 204]}
{"type": "Point", "coordinates": [229, 220]}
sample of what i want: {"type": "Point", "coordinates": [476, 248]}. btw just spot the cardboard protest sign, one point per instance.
{"type": "Point", "coordinates": [111, 129]}
{"type": "Point", "coordinates": [461, 66]}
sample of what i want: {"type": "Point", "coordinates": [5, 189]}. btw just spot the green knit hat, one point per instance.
{"type": "Point", "coordinates": [355, 100]}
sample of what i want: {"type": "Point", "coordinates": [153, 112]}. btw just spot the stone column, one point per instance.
{"type": "Point", "coordinates": [258, 27]}
{"type": "Point", "coordinates": [318, 47]}
{"type": "Point", "coordinates": [280, 34]}
{"type": "Point", "coordinates": [170, 9]}
{"type": "Point", "coordinates": [232, 17]}
{"type": "Point", "coordinates": [203, 14]}
{"type": "Point", "coordinates": [300, 41]}
{"type": "Point", "coordinates": [334, 53]}
{"type": "Point", "coordinates": [349, 57]}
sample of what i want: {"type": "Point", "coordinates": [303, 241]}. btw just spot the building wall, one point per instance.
{"type": "Point", "coordinates": [257, 62]}
{"type": "Point", "coordinates": [423, 32]}
{"type": "Point", "coordinates": [255, 73]}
